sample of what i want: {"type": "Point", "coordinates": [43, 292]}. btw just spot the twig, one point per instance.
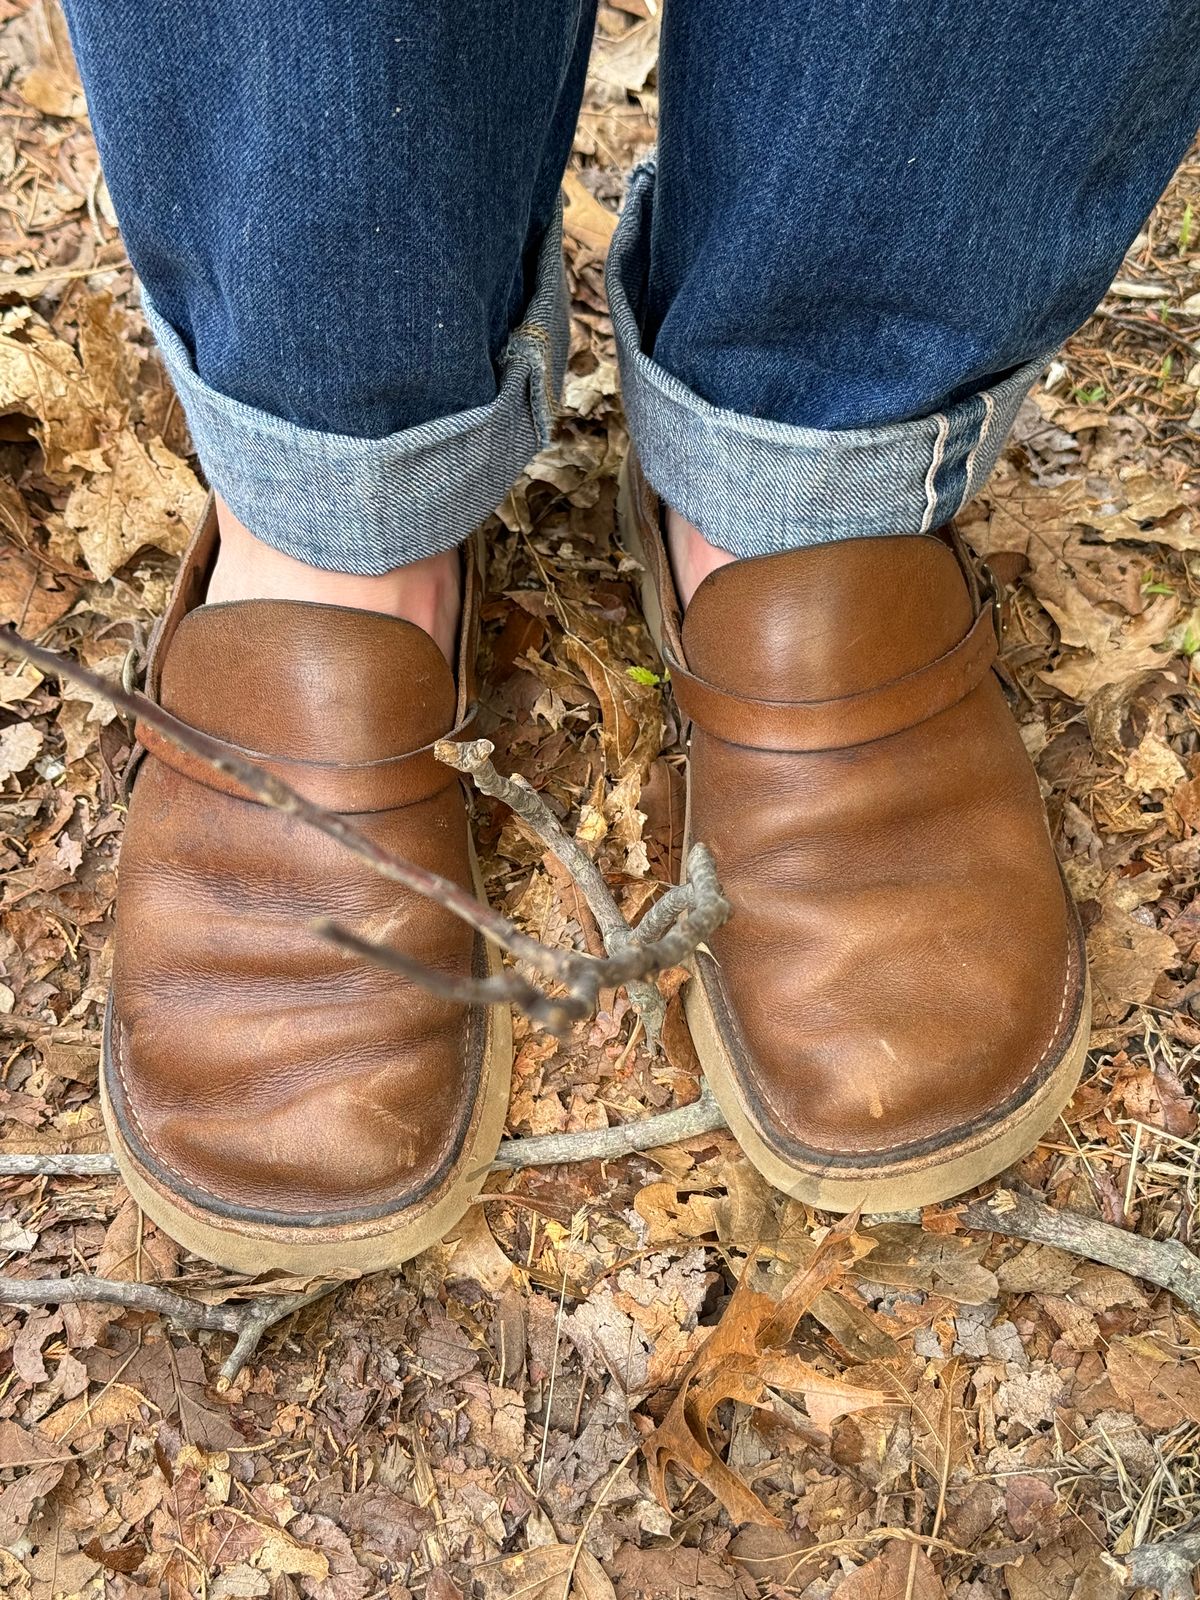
{"type": "Point", "coordinates": [609, 1144]}
{"type": "Point", "coordinates": [1164, 1262]}
{"type": "Point", "coordinates": [554, 1015]}
{"type": "Point", "coordinates": [667, 909]}
{"type": "Point", "coordinates": [1150, 325]}
{"type": "Point", "coordinates": [258, 1316]}
{"type": "Point", "coordinates": [39, 1166]}
{"type": "Point", "coordinates": [248, 1320]}
{"type": "Point", "coordinates": [701, 908]}
{"type": "Point", "coordinates": [473, 759]}
{"type": "Point", "coordinates": [541, 1150]}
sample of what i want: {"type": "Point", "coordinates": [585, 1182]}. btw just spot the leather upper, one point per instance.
{"type": "Point", "coordinates": [259, 1069]}
{"type": "Point", "coordinates": [901, 960]}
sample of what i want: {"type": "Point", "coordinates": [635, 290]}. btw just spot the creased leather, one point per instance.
{"type": "Point", "coordinates": [897, 964]}
{"type": "Point", "coordinates": [258, 1068]}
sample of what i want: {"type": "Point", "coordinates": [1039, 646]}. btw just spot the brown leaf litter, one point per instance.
{"type": "Point", "coordinates": [650, 1378]}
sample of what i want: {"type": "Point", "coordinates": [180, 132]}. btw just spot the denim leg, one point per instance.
{"type": "Point", "coordinates": [345, 218]}
{"type": "Point", "coordinates": [871, 223]}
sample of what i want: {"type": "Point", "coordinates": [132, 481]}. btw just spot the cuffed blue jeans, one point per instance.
{"type": "Point", "coordinates": [868, 225]}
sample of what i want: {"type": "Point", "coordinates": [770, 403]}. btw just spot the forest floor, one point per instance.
{"type": "Point", "coordinates": [1008, 1418]}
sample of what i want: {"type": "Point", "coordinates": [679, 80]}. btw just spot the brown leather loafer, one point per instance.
{"type": "Point", "coordinates": [898, 1006]}
{"type": "Point", "coordinates": [271, 1102]}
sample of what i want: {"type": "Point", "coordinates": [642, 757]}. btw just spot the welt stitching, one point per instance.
{"type": "Point", "coordinates": [1029, 1076]}
{"type": "Point", "coordinates": [118, 1035]}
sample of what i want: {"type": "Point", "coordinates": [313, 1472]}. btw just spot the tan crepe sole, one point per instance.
{"type": "Point", "coordinates": [959, 1165]}
{"type": "Point", "coordinates": [352, 1248]}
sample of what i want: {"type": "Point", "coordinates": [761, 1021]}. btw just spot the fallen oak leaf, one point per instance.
{"type": "Point", "coordinates": [743, 1359]}
{"type": "Point", "coordinates": [825, 1398]}
{"type": "Point", "coordinates": [41, 377]}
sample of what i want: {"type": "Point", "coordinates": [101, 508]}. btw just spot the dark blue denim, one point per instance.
{"type": "Point", "coordinates": [867, 210]}
{"type": "Point", "coordinates": [869, 224]}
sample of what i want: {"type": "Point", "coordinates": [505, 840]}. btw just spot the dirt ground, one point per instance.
{"type": "Point", "coordinates": [955, 1414]}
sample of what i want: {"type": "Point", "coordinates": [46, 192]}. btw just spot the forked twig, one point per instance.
{"type": "Point", "coordinates": [248, 1320]}
{"type": "Point", "coordinates": [473, 759]}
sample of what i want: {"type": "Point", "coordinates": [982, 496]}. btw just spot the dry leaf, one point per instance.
{"type": "Point", "coordinates": [1125, 648]}
{"type": "Point", "coordinates": [631, 712]}
{"type": "Point", "coordinates": [134, 1250]}
{"type": "Point", "coordinates": [1154, 767]}
{"type": "Point", "coordinates": [625, 64]}
{"type": "Point", "coordinates": [114, 1407]}
{"type": "Point", "coordinates": [41, 378]}
{"type": "Point", "coordinates": [887, 1577]}
{"type": "Point", "coordinates": [145, 496]}
{"type": "Point", "coordinates": [584, 218]}
{"type": "Point", "coordinates": [53, 91]}
{"type": "Point", "coordinates": [1126, 958]}
{"type": "Point", "coordinates": [19, 745]}
{"type": "Point", "coordinates": [743, 1359]}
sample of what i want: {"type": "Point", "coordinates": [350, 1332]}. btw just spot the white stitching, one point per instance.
{"type": "Point", "coordinates": [939, 450]}
{"type": "Point", "coordinates": [989, 411]}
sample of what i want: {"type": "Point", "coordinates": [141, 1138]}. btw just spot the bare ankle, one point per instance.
{"type": "Point", "coordinates": [692, 557]}
{"type": "Point", "coordinates": [427, 592]}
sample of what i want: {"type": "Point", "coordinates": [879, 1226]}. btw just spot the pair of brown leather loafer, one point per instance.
{"type": "Point", "coordinates": [896, 1009]}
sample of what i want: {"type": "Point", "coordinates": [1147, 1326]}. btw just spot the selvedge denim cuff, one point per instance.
{"type": "Point", "coordinates": [756, 487]}
{"type": "Point", "coordinates": [368, 505]}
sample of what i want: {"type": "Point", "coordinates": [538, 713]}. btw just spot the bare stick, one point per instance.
{"type": "Point", "coordinates": [248, 1320]}
{"type": "Point", "coordinates": [1164, 1262]}
{"type": "Point", "coordinates": [665, 911]}
{"type": "Point", "coordinates": [473, 759]}
{"type": "Point", "coordinates": [540, 1150]}
{"type": "Point", "coordinates": [556, 1015]}
{"type": "Point", "coordinates": [609, 1144]}
{"type": "Point", "coordinates": [38, 1166]}
{"type": "Point", "coordinates": [138, 1296]}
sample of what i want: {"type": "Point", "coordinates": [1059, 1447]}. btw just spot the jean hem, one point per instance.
{"type": "Point", "coordinates": [756, 487]}
{"type": "Point", "coordinates": [365, 506]}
